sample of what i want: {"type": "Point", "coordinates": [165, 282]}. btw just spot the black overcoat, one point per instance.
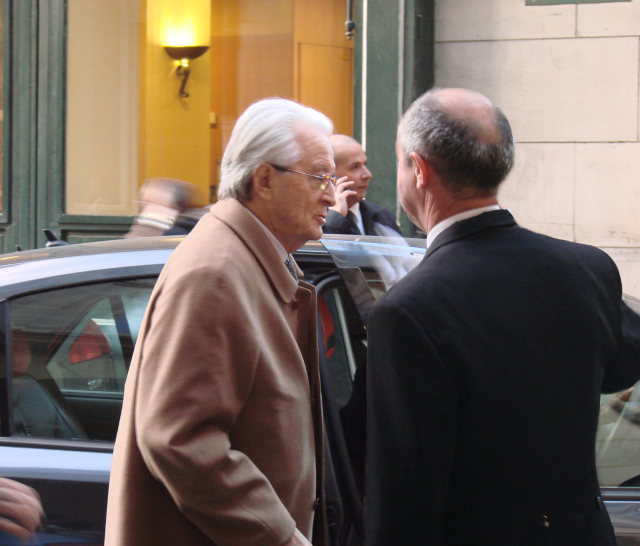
{"type": "Point", "coordinates": [485, 368]}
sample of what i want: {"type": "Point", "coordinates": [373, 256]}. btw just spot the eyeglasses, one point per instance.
{"type": "Point", "coordinates": [325, 179]}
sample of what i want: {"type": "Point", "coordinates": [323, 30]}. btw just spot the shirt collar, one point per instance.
{"type": "Point", "coordinates": [277, 244]}
{"type": "Point", "coordinates": [448, 222]}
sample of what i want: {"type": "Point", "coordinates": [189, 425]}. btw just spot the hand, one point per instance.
{"type": "Point", "coordinates": [342, 195]}
{"type": "Point", "coordinates": [20, 509]}
{"type": "Point", "coordinates": [298, 539]}
{"type": "Point", "coordinates": [624, 396]}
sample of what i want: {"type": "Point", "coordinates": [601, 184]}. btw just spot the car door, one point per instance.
{"type": "Point", "coordinates": [618, 457]}
{"type": "Point", "coordinates": [66, 353]}
{"type": "Point", "coordinates": [365, 268]}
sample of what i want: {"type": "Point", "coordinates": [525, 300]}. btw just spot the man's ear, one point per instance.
{"type": "Point", "coordinates": [422, 170]}
{"type": "Point", "coordinates": [263, 178]}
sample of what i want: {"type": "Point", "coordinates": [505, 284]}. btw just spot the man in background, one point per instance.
{"type": "Point", "coordinates": [220, 439]}
{"type": "Point", "coordinates": [352, 214]}
{"type": "Point", "coordinates": [486, 362]}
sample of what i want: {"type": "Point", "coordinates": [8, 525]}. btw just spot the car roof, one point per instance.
{"type": "Point", "coordinates": [24, 271]}
{"type": "Point", "coordinates": [115, 245]}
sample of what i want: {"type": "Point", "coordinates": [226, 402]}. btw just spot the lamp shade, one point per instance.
{"type": "Point", "coordinates": [185, 52]}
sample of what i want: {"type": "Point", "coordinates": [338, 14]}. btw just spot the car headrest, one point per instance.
{"type": "Point", "coordinates": [21, 351]}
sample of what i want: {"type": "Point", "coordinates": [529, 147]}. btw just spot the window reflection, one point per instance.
{"type": "Point", "coordinates": [125, 120]}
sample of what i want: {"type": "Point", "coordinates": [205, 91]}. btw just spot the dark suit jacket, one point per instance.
{"type": "Point", "coordinates": [486, 364]}
{"type": "Point", "coordinates": [371, 213]}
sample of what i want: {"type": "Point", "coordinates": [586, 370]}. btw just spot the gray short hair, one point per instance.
{"type": "Point", "coordinates": [265, 133]}
{"type": "Point", "coordinates": [465, 161]}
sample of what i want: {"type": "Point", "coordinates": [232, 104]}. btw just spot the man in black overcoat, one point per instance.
{"type": "Point", "coordinates": [486, 362]}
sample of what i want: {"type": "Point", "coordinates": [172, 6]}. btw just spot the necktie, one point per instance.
{"type": "Point", "coordinates": [351, 215]}
{"type": "Point", "coordinates": [291, 269]}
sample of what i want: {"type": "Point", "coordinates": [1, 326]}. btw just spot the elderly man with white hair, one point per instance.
{"type": "Point", "coordinates": [220, 440]}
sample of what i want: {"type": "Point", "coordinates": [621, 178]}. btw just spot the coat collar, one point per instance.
{"type": "Point", "coordinates": [247, 227]}
{"type": "Point", "coordinates": [463, 228]}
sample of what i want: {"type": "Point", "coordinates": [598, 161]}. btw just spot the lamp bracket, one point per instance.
{"type": "Point", "coordinates": [184, 54]}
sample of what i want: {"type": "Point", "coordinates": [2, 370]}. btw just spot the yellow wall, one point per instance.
{"type": "Point", "coordinates": [251, 58]}
{"type": "Point", "coordinates": [174, 131]}
{"type": "Point", "coordinates": [294, 49]}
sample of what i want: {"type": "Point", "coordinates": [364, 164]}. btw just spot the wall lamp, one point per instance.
{"type": "Point", "coordinates": [184, 54]}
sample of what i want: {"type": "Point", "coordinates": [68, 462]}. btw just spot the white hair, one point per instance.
{"type": "Point", "coordinates": [265, 133]}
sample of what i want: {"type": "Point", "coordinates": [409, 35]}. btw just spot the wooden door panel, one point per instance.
{"type": "Point", "coordinates": [325, 82]}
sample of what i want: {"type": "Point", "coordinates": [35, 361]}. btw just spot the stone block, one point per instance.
{"type": "Point", "coordinates": [539, 191]}
{"type": "Point", "coordinates": [607, 194]}
{"type": "Point", "coordinates": [461, 20]}
{"type": "Point", "coordinates": [577, 90]}
{"type": "Point", "coordinates": [609, 19]}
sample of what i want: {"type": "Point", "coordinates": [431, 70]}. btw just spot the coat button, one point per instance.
{"type": "Point", "coordinates": [599, 503]}
{"type": "Point", "coordinates": [316, 503]}
{"type": "Point", "coordinates": [543, 522]}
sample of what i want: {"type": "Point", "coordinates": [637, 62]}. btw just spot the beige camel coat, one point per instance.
{"type": "Point", "coordinates": [221, 423]}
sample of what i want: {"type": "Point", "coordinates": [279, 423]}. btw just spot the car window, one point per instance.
{"type": "Point", "coordinates": [369, 266]}
{"type": "Point", "coordinates": [618, 437]}
{"type": "Point", "coordinates": [341, 362]}
{"type": "Point", "coordinates": [70, 352]}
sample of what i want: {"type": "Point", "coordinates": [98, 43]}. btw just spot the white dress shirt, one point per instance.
{"type": "Point", "coordinates": [448, 222]}
{"type": "Point", "coordinates": [356, 210]}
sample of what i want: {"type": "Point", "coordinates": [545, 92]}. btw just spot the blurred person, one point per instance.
{"type": "Point", "coordinates": [187, 220]}
{"type": "Point", "coordinates": [20, 509]}
{"type": "Point", "coordinates": [352, 214]}
{"type": "Point", "coordinates": [486, 362]}
{"type": "Point", "coordinates": [162, 201]}
{"type": "Point", "coordinates": [220, 440]}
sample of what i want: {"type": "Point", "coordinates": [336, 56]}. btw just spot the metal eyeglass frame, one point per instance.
{"type": "Point", "coordinates": [325, 179]}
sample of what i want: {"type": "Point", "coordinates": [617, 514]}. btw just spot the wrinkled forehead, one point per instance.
{"type": "Point", "coordinates": [315, 148]}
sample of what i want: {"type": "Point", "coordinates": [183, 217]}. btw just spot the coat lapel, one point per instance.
{"type": "Point", "coordinates": [464, 228]}
{"type": "Point", "coordinates": [239, 219]}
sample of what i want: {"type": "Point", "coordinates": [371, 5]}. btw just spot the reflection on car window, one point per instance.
{"type": "Point", "coordinates": [340, 360]}
{"type": "Point", "coordinates": [387, 259]}
{"type": "Point", "coordinates": [71, 350]}
{"type": "Point", "coordinates": [618, 438]}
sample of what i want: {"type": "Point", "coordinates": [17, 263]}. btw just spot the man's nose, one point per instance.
{"type": "Point", "coordinates": [367, 173]}
{"type": "Point", "coordinates": [329, 195]}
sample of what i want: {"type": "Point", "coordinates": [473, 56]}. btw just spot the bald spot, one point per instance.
{"type": "Point", "coordinates": [474, 109]}
{"type": "Point", "coordinates": [340, 143]}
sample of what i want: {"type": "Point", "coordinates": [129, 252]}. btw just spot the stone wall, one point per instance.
{"type": "Point", "coordinates": [567, 78]}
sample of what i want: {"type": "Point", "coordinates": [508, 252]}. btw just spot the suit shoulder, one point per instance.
{"type": "Point", "coordinates": [579, 252]}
